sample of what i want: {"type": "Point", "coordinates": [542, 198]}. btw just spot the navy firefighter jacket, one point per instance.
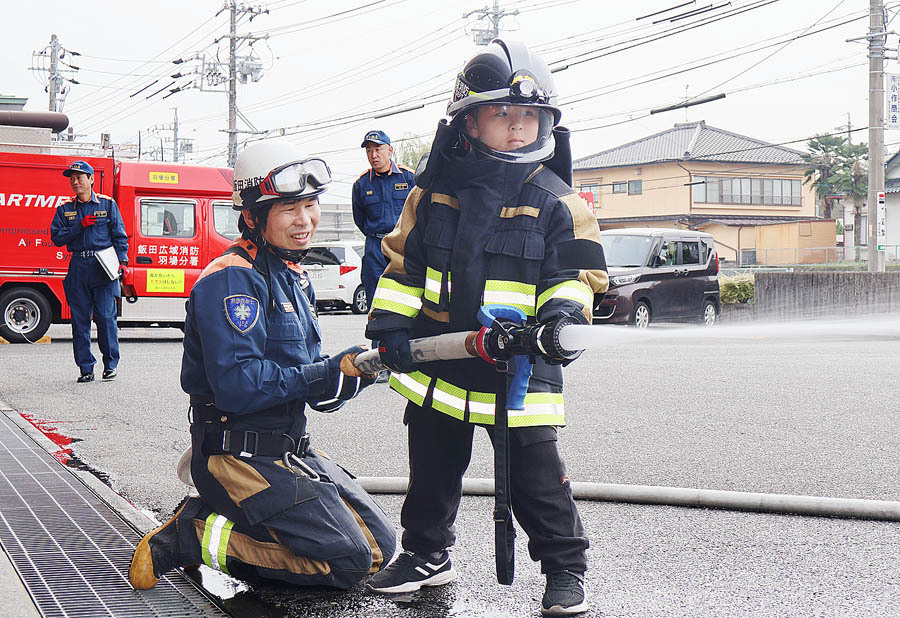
{"type": "Point", "coordinates": [487, 232]}
{"type": "Point", "coordinates": [244, 348]}
{"type": "Point", "coordinates": [378, 198]}
{"type": "Point", "coordinates": [107, 231]}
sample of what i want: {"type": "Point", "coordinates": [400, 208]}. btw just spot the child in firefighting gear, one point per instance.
{"type": "Point", "coordinates": [270, 506]}
{"type": "Point", "coordinates": [492, 220]}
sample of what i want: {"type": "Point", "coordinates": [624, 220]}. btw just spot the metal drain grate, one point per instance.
{"type": "Point", "coordinates": [70, 549]}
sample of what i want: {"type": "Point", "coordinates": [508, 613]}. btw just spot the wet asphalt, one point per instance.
{"type": "Point", "coordinates": [808, 410]}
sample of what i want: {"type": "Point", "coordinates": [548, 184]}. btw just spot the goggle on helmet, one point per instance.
{"type": "Point", "coordinates": [299, 179]}
{"type": "Point", "coordinates": [507, 73]}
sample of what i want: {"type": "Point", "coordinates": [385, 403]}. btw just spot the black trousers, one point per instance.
{"type": "Point", "coordinates": [440, 448]}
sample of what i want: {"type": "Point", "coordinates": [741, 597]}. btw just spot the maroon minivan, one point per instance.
{"type": "Point", "coordinates": [658, 274]}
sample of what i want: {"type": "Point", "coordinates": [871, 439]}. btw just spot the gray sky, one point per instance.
{"type": "Point", "coordinates": [324, 74]}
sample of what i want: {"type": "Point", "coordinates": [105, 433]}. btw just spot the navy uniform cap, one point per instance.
{"type": "Point", "coordinates": [79, 166]}
{"type": "Point", "coordinates": [376, 137]}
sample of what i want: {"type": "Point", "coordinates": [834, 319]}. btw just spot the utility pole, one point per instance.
{"type": "Point", "coordinates": [55, 79]}
{"type": "Point", "coordinates": [848, 127]}
{"type": "Point", "coordinates": [232, 84]}
{"type": "Point", "coordinates": [483, 36]}
{"type": "Point", "coordinates": [176, 147]}
{"type": "Point", "coordinates": [239, 68]}
{"type": "Point", "coordinates": [55, 88]}
{"type": "Point", "coordinates": [876, 136]}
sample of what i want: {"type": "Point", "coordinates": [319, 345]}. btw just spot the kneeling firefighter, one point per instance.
{"type": "Point", "coordinates": [270, 507]}
{"type": "Point", "coordinates": [493, 220]}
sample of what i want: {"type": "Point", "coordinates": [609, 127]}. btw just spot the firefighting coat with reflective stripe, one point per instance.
{"type": "Point", "coordinates": [487, 232]}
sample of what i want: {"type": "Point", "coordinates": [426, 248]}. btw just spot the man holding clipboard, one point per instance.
{"type": "Point", "coordinates": [88, 225]}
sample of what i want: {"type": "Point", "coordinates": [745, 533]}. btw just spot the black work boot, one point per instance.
{"type": "Point", "coordinates": [159, 551]}
{"type": "Point", "coordinates": [85, 377]}
{"type": "Point", "coordinates": [564, 594]}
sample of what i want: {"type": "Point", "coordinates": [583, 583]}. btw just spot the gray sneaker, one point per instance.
{"type": "Point", "coordinates": [564, 594]}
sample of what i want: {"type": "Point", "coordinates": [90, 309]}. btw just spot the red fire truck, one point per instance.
{"type": "Point", "coordinates": [177, 217]}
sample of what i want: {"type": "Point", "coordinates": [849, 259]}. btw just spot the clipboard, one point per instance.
{"type": "Point", "coordinates": [109, 261]}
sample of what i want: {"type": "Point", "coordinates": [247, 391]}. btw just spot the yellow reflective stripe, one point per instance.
{"type": "Point", "coordinates": [413, 386]}
{"type": "Point", "coordinates": [481, 407]}
{"type": "Point", "coordinates": [432, 285]}
{"type": "Point", "coordinates": [215, 541]}
{"type": "Point", "coordinates": [540, 409]}
{"type": "Point", "coordinates": [449, 399]}
{"type": "Point", "coordinates": [571, 290]}
{"type": "Point", "coordinates": [519, 295]}
{"type": "Point", "coordinates": [397, 298]}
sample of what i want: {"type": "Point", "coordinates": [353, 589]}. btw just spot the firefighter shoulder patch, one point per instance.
{"type": "Point", "coordinates": [242, 312]}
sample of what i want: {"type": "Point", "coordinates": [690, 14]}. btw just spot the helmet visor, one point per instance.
{"type": "Point", "coordinates": [515, 133]}
{"type": "Point", "coordinates": [293, 178]}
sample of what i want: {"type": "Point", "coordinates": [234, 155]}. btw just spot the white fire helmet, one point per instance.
{"type": "Point", "coordinates": [274, 170]}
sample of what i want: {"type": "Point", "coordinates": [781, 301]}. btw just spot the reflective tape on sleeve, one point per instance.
{"type": "Point", "coordinates": [397, 298]}
{"type": "Point", "coordinates": [570, 290]}
{"type": "Point", "coordinates": [432, 285]}
{"type": "Point", "coordinates": [513, 293]}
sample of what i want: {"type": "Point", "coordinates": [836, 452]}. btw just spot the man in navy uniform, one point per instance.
{"type": "Point", "coordinates": [87, 224]}
{"type": "Point", "coordinates": [378, 197]}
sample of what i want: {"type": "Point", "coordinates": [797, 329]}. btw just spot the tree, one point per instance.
{"type": "Point", "coordinates": [851, 178]}
{"type": "Point", "coordinates": [823, 161]}
{"type": "Point", "coordinates": [410, 149]}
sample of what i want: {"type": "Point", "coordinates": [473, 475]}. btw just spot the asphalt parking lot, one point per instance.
{"type": "Point", "coordinates": [786, 408]}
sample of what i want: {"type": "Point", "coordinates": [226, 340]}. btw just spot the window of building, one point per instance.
{"type": "Point", "coordinates": [620, 187]}
{"type": "Point", "coordinates": [593, 188]}
{"type": "Point", "coordinates": [635, 187]}
{"type": "Point", "coordinates": [167, 218]}
{"type": "Point", "coordinates": [225, 220]}
{"type": "Point", "coordinates": [761, 191]}
{"type": "Point", "coordinates": [698, 188]}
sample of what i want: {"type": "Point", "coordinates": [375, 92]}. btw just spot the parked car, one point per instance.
{"type": "Point", "coordinates": [657, 275]}
{"type": "Point", "coordinates": [335, 268]}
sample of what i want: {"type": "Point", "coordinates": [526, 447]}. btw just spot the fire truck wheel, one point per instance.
{"type": "Point", "coordinates": [24, 315]}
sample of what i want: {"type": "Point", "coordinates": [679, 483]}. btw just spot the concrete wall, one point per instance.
{"type": "Point", "coordinates": [825, 294]}
{"type": "Point", "coordinates": [805, 242]}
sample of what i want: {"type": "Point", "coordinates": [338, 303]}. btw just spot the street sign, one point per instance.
{"type": "Point", "coordinates": [892, 102]}
{"type": "Point", "coordinates": [880, 233]}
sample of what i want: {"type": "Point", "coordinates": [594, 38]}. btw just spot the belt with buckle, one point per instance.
{"type": "Point", "coordinates": [253, 443]}
{"type": "Point", "coordinates": [85, 253]}
{"type": "Point", "coordinates": [378, 235]}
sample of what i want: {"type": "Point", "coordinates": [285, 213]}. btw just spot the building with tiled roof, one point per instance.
{"type": "Point", "coordinates": [701, 177]}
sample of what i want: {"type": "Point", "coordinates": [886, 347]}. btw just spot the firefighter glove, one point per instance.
{"type": "Point", "coordinates": [88, 220]}
{"type": "Point", "coordinates": [393, 349]}
{"type": "Point", "coordinates": [329, 387]}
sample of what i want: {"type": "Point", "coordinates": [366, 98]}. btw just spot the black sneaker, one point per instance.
{"type": "Point", "coordinates": [109, 374]}
{"type": "Point", "coordinates": [85, 377]}
{"type": "Point", "coordinates": [564, 594]}
{"type": "Point", "coordinates": [410, 571]}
